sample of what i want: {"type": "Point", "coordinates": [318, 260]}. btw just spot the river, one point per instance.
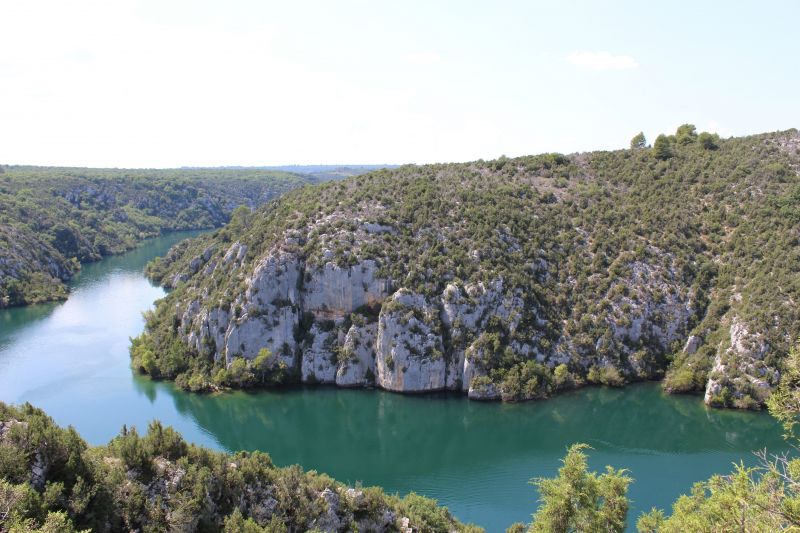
{"type": "Point", "coordinates": [71, 359]}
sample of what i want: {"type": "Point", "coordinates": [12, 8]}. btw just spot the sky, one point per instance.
{"type": "Point", "coordinates": [169, 83]}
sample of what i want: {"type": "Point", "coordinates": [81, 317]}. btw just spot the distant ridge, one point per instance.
{"type": "Point", "coordinates": [319, 172]}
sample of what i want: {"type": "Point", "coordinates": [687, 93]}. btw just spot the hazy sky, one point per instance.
{"type": "Point", "coordinates": [171, 83]}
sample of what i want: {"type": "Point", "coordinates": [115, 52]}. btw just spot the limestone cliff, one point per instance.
{"type": "Point", "coordinates": [350, 326]}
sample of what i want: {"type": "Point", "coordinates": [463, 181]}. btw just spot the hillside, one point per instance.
{"type": "Point", "coordinates": [510, 279]}
{"type": "Point", "coordinates": [50, 480]}
{"type": "Point", "coordinates": [52, 219]}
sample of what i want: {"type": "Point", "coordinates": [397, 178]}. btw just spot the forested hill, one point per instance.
{"type": "Point", "coordinates": [51, 219]}
{"type": "Point", "coordinates": [510, 279]}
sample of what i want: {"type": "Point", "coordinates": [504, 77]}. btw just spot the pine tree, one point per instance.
{"type": "Point", "coordinates": [579, 500]}
{"type": "Point", "coordinates": [639, 141]}
{"type": "Point", "coordinates": [662, 149]}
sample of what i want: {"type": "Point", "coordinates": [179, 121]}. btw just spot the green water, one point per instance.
{"type": "Point", "coordinates": [71, 359]}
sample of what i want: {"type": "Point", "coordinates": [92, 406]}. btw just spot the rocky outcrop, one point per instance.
{"type": "Point", "coordinates": [266, 315]}
{"type": "Point", "coordinates": [273, 330]}
{"type": "Point", "coordinates": [345, 325]}
{"type": "Point", "coordinates": [466, 313]}
{"type": "Point", "coordinates": [241, 491]}
{"type": "Point", "coordinates": [654, 307]}
{"type": "Point", "coordinates": [357, 356]}
{"type": "Point", "coordinates": [692, 344]}
{"type": "Point", "coordinates": [401, 349]}
{"type": "Point", "coordinates": [319, 361]}
{"type": "Point", "coordinates": [409, 350]}
{"type": "Point", "coordinates": [740, 377]}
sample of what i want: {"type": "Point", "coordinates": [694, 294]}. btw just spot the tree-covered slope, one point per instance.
{"type": "Point", "coordinates": [509, 279]}
{"type": "Point", "coordinates": [51, 481]}
{"type": "Point", "coordinates": [51, 219]}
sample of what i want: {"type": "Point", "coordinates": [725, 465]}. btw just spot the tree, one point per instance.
{"type": "Point", "coordinates": [686, 134]}
{"type": "Point", "coordinates": [240, 218]}
{"type": "Point", "coordinates": [237, 523]}
{"type": "Point", "coordinates": [662, 149]}
{"type": "Point", "coordinates": [262, 363]}
{"type": "Point", "coordinates": [749, 499]}
{"type": "Point", "coordinates": [561, 375]}
{"type": "Point", "coordinates": [579, 500]}
{"type": "Point", "coordinates": [707, 141]}
{"type": "Point", "coordinates": [650, 522]}
{"type": "Point", "coordinates": [164, 442]}
{"type": "Point", "coordinates": [784, 403]}
{"type": "Point", "coordinates": [268, 369]}
{"type": "Point", "coordinates": [639, 141]}
{"type": "Point", "coordinates": [239, 374]}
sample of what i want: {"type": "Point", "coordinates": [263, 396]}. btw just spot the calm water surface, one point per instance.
{"type": "Point", "coordinates": [71, 359]}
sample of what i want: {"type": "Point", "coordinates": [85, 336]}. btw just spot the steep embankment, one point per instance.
{"type": "Point", "coordinates": [51, 219]}
{"type": "Point", "coordinates": [508, 279]}
{"type": "Point", "coordinates": [50, 480]}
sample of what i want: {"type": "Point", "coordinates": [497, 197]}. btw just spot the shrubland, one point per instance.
{"type": "Point", "coordinates": [539, 273]}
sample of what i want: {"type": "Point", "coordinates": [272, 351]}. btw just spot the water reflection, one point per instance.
{"type": "Point", "coordinates": [639, 418]}
{"type": "Point", "coordinates": [478, 457]}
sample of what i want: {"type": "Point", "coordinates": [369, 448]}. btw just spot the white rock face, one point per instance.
{"type": "Point", "coordinates": [746, 344]}
{"type": "Point", "coordinates": [264, 316]}
{"type": "Point", "coordinates": [333, 292]}
{"type": "Point", "coordinates": [358, 368]}
{"type": "Point", "coordinates": [274, 281]}
{"type": "Point", "coordinates": [330, 521]}
{"type": "Point", "coordinates": [486, 392]}
{"type": "Point", "coordinates": [246, 336]}
{"type": "Point", "coordinates": [466, 313]}
{"type": "Point", "coordinates": [208, 329]}
{"type": "Point", "coordinates": [318, 362]}
{"type": "Point", "coordinates": [456, 377]}
{"type": "Point", "coordinates": [471, 371]}
{"type": "Point", "coordinates": [663, 320]}
{"type": "Point", "coordinates": [692, 344]}
{"type": "Point", "coordinates": [473, 306]}
{"type": "Point", "coordinates": [235, 254]}
{"type": "Point", "coordinates": [404, 350]}
{"type": "Point", "coordinates": [741, 368]}
{"type": "Point", "coordinates": [475, 374]}
{"type": "Point", "coordinates": [409, 352]}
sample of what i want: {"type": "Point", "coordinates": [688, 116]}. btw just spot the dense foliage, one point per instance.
{"type": "Point", "coordinates": [52, 219]}
{"type": "Point", "coordinates": [695, 238]}
{"type": "Point", "coordinates": [579, 500]}
{"type": "Point", "coordinates": [51, 481]}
